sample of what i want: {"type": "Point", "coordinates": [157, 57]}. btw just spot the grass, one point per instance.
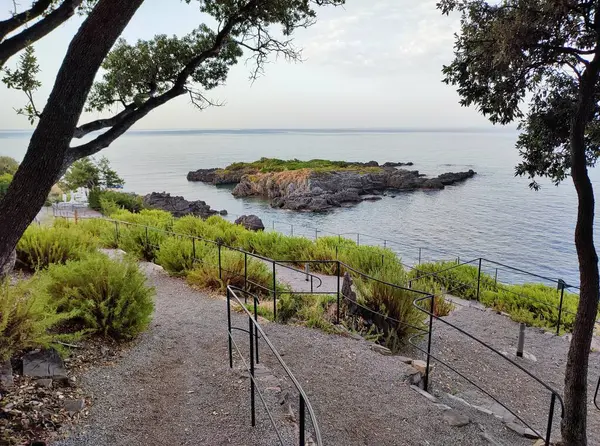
{"type": "Point", "coordinates": [269, 165]}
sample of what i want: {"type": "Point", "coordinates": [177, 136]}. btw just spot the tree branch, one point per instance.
{"type": "Point", "coordinates": [179, 88]}
{"type": "Point", "coordinates": [100, 124]}
{"type": "Point", "coordinates": [18, 20]}
{"type": "Point", "coordinates": [13, 45]}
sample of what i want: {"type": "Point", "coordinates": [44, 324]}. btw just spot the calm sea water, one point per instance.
{"type": "Point", "coordinates": [494, 215]}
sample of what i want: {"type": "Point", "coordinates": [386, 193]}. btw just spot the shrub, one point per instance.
{"type": "Point", "coordinates": [107, 297]}
{"type": "Point", "coordinates": [8, 165]}
{"type": "Point", "coordinates": [5, 180]}
{"type": "Point", "coordinates": [26, 317]}
{"type": "Point", "coordinates": [42, 246]}
{"type": "Point", "coordinates": [393, 302]}
{"type": "Point", "coordinates": [109, 201]}
{"type": "Point", "coordinates": [310, 310]}
{"type": "Point", "coordinates": [176, 254]}
{"type": "Point", "coordinates": [205, 273]}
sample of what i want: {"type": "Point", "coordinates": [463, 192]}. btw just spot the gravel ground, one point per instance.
{"type": "Point", "coordinates": [512, 387]}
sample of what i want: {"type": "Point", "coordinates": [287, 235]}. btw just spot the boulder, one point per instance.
{"type": "Point", "coordinates": [203, 175]}
{"type": "Point", "coordinates": [251, 222]}
{"type": "Point", "coordinates": [44, 364]}
{"type": "Point", "coordinates": [178, 206]}
{"type": "Point", "coordinates": [6, 374]}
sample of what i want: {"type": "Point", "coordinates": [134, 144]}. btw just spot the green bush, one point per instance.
{"type": "Point", "coordinates": [393, 302]}
{"type": "Point", "coordinates": [176, 254]}
{"type": "Point", "coordinates": [41, 246]}
{"type": "Point", "coordinates": [8, 165]}
{"type": "Point", "coordinates": [106, 297]}
{"type": "Point", "coordinates": [5, 180]}
{"type": "Point", "coordinates": [27, 316]}
{"type": "Point", "coordinates": [109, 201]}
{"type": "Point", "coordinates": [311, 310]}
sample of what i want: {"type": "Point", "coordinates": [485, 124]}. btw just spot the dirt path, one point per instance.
{"type": "Point", "coordinates": [175, 387]}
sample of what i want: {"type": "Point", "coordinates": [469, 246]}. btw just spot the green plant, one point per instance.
{"type": "Point", "coordinates": [106, 297]}
{"type": "Point", "coordinates": [176, 254]}
{"type": "Point", "coordinates": [42, 246]}
{"type": "Point", "coordinates": [311, 310]}
{"type": "Point", "coordinates": [8, 165]}
{"type": "Point", "coordinates": [5, 180]}
{"type": "Point", "coordinates": [27, 317]}
{"type": "Point", "coordinates": [109, 202]}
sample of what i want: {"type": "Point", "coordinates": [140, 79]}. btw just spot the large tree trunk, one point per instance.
{"type": "Point", "coordinates": [574, 423]}
{"type": "Point", "coordinates": [48, 154]}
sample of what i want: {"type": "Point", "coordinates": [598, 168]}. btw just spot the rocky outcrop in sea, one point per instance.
{"type": "Point", "coordinates": [179, 206]}
{"type": "Point", "coordinates": [323, 189]}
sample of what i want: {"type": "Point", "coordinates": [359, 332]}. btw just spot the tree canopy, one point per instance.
{"type": "Point", "coordinates": [514, 52]}
{"type": "Point", "coordinates": [89, 173]}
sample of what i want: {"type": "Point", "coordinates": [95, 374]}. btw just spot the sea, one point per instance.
{"type": "Point", "coordinates": [494, 215]}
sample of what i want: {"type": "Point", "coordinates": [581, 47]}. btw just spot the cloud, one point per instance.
{"type": "Point", "coordinates": [385, 36]}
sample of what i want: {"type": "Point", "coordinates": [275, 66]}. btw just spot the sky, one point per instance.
{"type": "Point", "coordinates": [369, 64]}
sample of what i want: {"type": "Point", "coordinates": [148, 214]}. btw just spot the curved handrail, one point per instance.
{"type": "Point", "coordinates": [596, 401]}
{"type": "Point", "coordinates": [313, 418]}
{"type": "Point", "coordinates": [554, 393]}
{"type": "Point", "coordinates": [434, 273]}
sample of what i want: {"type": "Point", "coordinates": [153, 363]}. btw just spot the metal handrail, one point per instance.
{"type": "Point", "coordinates": [432, 316]}
{"type": "Point", "coordinates": [253, 324]}
{"type": "Point", "coordinates": [596, 395]}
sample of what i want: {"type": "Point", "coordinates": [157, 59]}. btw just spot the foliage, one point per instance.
{"type": "Point", "coordinates": [107, 297]}
{"type": "Point", "coordinates": [8, 165]}
{"type": "Point", "coordinates": [176, 254]}
{"type": "Point", "coordinates": [27, 317]}
{"type": "Point", "coordinates": [5, 180]}
{"type": "Point", "coordinates": [265, 165]}
{"type": "Point", "coordinates": [42, 246]}
{"type": "Point", "coordinates": [113, 201]}
{"type": "Point", "coordinates": [23, 78]}
{"type": "Point", "coordinates": [513, 50]}
{"type": "Point", "coordinates": [311, 310]}
{"type": "Point", "coordinates": [392, 301]}
{"type": "Point", "coordinates": [89, 173]}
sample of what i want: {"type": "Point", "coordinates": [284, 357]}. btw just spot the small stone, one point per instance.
{"type": "Point", "coordinates": [44, 382]}
{"type": "Point", "coordinates": [74, 406]}
{"type": "Point", "coordinates": [522, 430]}
{"type": "Point", "coordinates": [456, 419]}
{"type": "Point", "coordinates": [539, 442]}
{"type": "Point", "coordinates": [381, 349]}
{"type": "Point", "coordinates": [421, 366]}
{"type": "Point", "coordinates": [404, 359]}
{"type": "Point", "coordinates": [44, 364]}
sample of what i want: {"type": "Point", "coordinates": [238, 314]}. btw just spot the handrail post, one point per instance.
{"type": "Point", "coordinates": [255, 325]}
{"type": "Point", "coordinates": [311, 284]}
{"type": "Point", "coordinates": [251, 335]}
{"type": "Point", "coordinates": [302, 421]}
{"type": "Point", "coordinates": [117, 231]}
{"type": "Point", "coordinates": [338, 293]}
{"type": "Point", "coordinates": [431, 309]}
{"type": "Point", "coordinates": [245, 271]}
{"type": "Point", "coordinates": [292, 230]}
{"type": "Point", "coordinates": [229, 328]}
{"type": "Point", "coordinates": [219, 249]}
{"type": "Point", "coordinates": [561, 286]}
{"type": "Point", "coordinates": [550, 418]}
{"type": "Point", "coordinates": [357, 239]}
{"type": "Point", "coordinates": [496, 277]}
{"type": "Point", "coordinates": [419, 256]}
{"type": "Point", "coordinates": [274, 294]}
{"type": "Point", "coordinates": [478, 278]}
{"type": "Point", "coordinates": [316, 234]}
{"type": "Point", "coordinates": [147, 239]}
{"type": "Point", "coordinates": [193, 250]}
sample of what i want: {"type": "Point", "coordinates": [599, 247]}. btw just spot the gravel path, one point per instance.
{"type": "Point", "coordinates": [545, 357]}
{"type": "Point", "coordinates": [175, 387]}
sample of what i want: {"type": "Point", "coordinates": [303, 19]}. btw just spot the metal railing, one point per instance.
{"type": "Point", "coordinates": [255, 332]}
{"type": "Point", "coordinates": [597, 394]}
{"type": "Point", "coordinates": [431, 317]}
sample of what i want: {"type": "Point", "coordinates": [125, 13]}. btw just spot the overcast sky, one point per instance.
{"type": "Point", "coordinates": [372, 63]}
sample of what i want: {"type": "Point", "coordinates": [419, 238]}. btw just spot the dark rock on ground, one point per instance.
{"type": "Point", "coordinates": [222, 212]}
{"type": "Point", "coordinates": [204, 175]}
{"type": "Point", "coordinates": [74, 406]}
{"type": "Point", "coordinates": [219, 176]}
{"type": "Point", "coordinates": [178, 206]}
{"type": "Point", "coordinates": [393, 164]}
{"type": "Point", "coordinates": [251, 222]}
{"type": "Point", "coordinates": [44, 364]}
{"type": "Point", "coordinates": [6, 374]}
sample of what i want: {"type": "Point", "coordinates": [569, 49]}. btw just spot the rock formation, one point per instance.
{"type": "Point", "coordinates": [251, 222]}
{"type": "Point", "coordinates": [178, 206]}
{"type": "Point", "coordinates": [315, 189]}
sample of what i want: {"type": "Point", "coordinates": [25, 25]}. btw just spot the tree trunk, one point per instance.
{"type": "Point", "coordinates": [48, 153]}
{"type": "Point", "coordinates": [574, 423]}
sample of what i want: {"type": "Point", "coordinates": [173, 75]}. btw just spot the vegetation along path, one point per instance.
{"type": "Point", "coordinates": [175, 387]}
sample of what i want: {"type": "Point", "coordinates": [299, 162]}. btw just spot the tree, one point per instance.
{"type": "Point", "coordinates": [90, 173]}
{"type": "Point", "coordinates": [138, 79]}
{"type": "Point", "coordinates": [28, 26]}
{"type": "Point", "coordinates": [8, 165]}
{"type": "Point", "coordinates": [548, 51]}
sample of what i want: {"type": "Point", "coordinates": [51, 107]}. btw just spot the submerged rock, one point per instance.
{"type": "Point", "coordinates": [178, 206]}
